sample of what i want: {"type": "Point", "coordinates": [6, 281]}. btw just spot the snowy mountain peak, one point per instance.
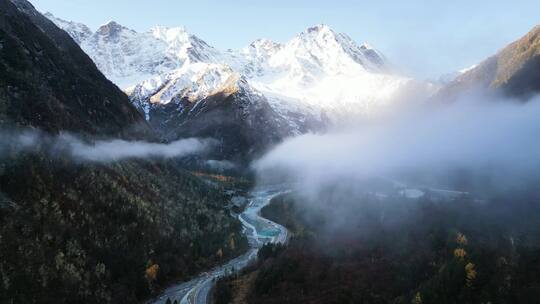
{"type": "Point", "coordinates": [320, 33]}
{"type": "Point", "coordinates": [333, 53]}
{"type": "Point", "coordinates": [78, 31]}
{"type": "Point", "coordinates": [170, 34]}
{"type": "Point", "coordinates": [112, 28]}
{"type": "Point", "coordinates": [319, 70]}
{"type": "Point", "coordinates": [265, 44]}
{"type": "Point", "coordinates": [375, 57]}
{"type": "Point", "coordinates": [366, 46]}
{"type": "Point", "coordinates": [262, 48]}
{"type": "Point", "coordinates": [324, 34]}
{"type": "Point", "coordinates": [318, 28]}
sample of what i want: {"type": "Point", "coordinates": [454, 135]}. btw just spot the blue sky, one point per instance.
{"type": "Point", "coordinates": [424, 38]}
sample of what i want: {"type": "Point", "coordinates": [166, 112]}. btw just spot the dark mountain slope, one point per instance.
{"type": "Point", "coordinates": [515, 70]}
{"type": "Point", "coordinates": [244, 122]}
{"type": "Point", "coordinates": [47, 81]}
{"type": "Point", "coordinates": [429, 250]}
{"type": "Point", "coordinates": [74, 232]}
{"type": "Point", "coordinates": [88, 233]}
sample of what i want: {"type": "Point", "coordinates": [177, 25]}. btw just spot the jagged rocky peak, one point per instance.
{"type": "Point", "coordinates": [321, 34]}
{"type": "Point", "coordinates": [334, 52]}
{"type": "Point", "coordinates": [78, 31]}
{"type": "Point", "coordinates": [324, 35]}
{"type": "Point", "coordinates": [264, 44]}
{"type": "Point", "coordinates": [366, 46]}
{"type": "Point", "coordinates": [111, 28]}
{"type": "Point", "coordinates": [262, 48]}
{"type": "Point", "coordinates": [170, 34]}
{"type": "Point", "coordinates": [178, 35]}
{"type": "Point", "coordinates": [182, 44]}
{"type": "Point", "coordinates": [319, 28]}
{"type": "Point", "coordinates": [374, 56]}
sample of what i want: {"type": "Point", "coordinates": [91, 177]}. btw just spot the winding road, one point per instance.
{"type": "Point", "coordinates": [257, 229]}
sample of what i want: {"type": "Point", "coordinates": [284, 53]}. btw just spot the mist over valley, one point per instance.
{"type": "Point", "coordinates": [150, 166]}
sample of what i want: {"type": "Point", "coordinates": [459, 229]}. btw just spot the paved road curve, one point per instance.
{"type": "Point", "coordinates": [258, 230]}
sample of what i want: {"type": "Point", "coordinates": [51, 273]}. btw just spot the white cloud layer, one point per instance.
{"type": "Point", "coordinates": [478, 134]}
{"type": "Point", "coordinates": [16, 141]}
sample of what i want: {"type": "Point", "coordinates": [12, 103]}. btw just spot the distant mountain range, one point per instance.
{"type": "Point", "coordinates": [176, 79]}
{"type": "Point", "coordinates": [167, 63]}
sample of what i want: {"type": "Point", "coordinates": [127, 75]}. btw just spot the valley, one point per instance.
{"type": "Point", "coordinates": [140, 163]}
{"type": "Point", "coordinates": [259, 231]}
{"type": "Point", "coordinates": [434, 250]}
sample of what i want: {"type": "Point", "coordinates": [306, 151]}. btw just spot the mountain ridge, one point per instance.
{"type": "Point", "coordinates": [308, 83]}
{"type": "Point", "coordinates": [312, 55]}
{"type": "Point", "coordinates": [73, 231]}
{"type": "Point", "coordinates": [513, 70]}
{"type": "Point", "coordinates": [38, 61]}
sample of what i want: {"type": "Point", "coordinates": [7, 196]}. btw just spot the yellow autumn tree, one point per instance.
{"type": "Point", "coordinates": [460, 253]}
{"type": "Point", "coordinates": [152, 272]}
{"type": "Point", "coordinates": [470, 273]}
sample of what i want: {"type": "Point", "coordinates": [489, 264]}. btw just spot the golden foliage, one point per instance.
{"type": "Point", "coordinates": [460, 253]}
{"type": "Point", "coordinates": [471, 273]}
{"type": "Point", "coordinates": [219, 253]}
{"type": "Point", "coordinates": [152, 272]}
{"type": "Point", "coordinates": [217, 177]}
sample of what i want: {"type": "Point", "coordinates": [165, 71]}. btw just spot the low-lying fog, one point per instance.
{"type": "Point", "coordinates": [344, 180]}
{"type": "Point", "coordinates": [484, 138]}
{"type": "Point", "coordinates": [17, 141]}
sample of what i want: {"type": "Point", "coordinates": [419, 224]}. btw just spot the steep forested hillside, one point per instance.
{"type": "Point", "coordinates": [86, 233]}
{"type": "Point", "coordinates": [46, 81]}
{"type": "Point", "coordinates": [425, 251]}
{"type": "Point", "coordinates": [75, 232]}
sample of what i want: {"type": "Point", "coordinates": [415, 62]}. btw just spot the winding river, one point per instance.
{"type": "Point", "coordinates": [257, 229]}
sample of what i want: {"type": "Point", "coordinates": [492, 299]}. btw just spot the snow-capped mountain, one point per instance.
{"type": "Point", "coordinates": [317, 77]}
{"type": "Point", "coordinates": [325, 70]}
{"type": "Point", "coordinates": [129, 58]}
{"type": "Point", "coordinates": [78, 31]}
{"type": "Point", "coordinates": [318, 68]}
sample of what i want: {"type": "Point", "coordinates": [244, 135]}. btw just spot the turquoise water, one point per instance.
{"type": "Point", "coordinates": [269, 232]}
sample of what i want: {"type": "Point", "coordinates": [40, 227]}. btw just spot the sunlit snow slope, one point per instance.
{"type": "Point", "coordinates": [318, 71]}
